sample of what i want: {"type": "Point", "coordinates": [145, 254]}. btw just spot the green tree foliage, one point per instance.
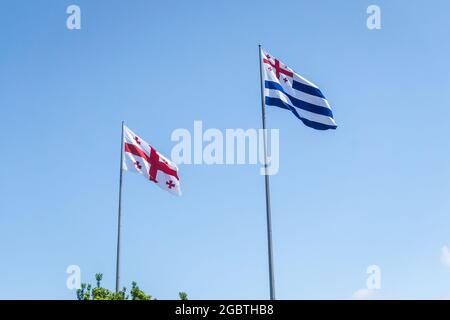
{"type": "Point", "coordinates": [86, 292]}
{"type": "Point", "coordinates": [138, 294]}
{"type": "Point", "coordinates": [183, 295]}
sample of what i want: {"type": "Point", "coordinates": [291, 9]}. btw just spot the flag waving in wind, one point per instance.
{"type": "Point", "coordinates": [285, 89]}
{"type": "Point", "coordinates": [143, 158]}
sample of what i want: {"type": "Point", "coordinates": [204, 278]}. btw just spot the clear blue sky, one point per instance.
{"type": "Point", "coordinates": [375, 191]}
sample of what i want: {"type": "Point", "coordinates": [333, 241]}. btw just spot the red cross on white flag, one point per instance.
{"type": "Point", "coordinates": [276, 70]}
{"type": "Point", "coordinates": [140, 157]}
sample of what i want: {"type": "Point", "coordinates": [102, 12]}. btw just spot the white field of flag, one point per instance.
{"type": "Point", "coordinates": [286, 89]}
{"type": "Point", "coordinates": [142, 158]}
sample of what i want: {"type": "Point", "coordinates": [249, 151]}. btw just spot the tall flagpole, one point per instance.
{"type": "Point", "coordinates": [268, 213]}
{"type": "Point", "coordinates": [119, 215]}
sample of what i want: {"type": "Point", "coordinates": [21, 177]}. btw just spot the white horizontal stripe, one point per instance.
{"type": "Point", "coordinates": [303, 113]}
{"type": "Point", "coordinates": [324, 103]}
{"type": "Point", "coordinates": [300, 79]}
{"type": "Point", "coordinates": [287, 86]}
{"type": "Point", "coordinates": [308, 98]}
{"type": "Point", "coordinates": [316, 117]}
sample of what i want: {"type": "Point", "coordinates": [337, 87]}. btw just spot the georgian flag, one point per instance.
{"type": "Point", "coordinates": [285, 89]}
{"type": "Point", "coordinates": [140, 157]}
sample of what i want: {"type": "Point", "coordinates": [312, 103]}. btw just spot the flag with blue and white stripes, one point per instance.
{"type": "Point", "coordinates": [285, 89]}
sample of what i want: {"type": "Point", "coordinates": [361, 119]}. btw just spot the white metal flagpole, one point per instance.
{"type": "Point", "coordinates": [268, 211]}
{"type": "Point", "coordinates": [119, 214]}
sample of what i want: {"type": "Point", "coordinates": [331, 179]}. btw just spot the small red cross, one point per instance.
{"type": "Point", "coordinates": [137, 140]}
{"type": "Point", "coordinates": [278, 69]}
{"type": "Point", "coordinates": [285, 79]}
{"type": "Point", "coordinates": [170, 184]}
{"type": "Point", "coordinates": [138, 165]}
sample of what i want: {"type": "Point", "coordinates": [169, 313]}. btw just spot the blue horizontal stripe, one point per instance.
{"type": "Point", "coordinates": [307, 89]}
{"type": "Point", "coordinates": [312, 124]}
{"type": "Point", "coordinates": [300, 103]}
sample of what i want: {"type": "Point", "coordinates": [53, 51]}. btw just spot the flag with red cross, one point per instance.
{"type": "Point", "coordinates": [140, 157]}
{"type": "Point", "coordinates": [283, 88]}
